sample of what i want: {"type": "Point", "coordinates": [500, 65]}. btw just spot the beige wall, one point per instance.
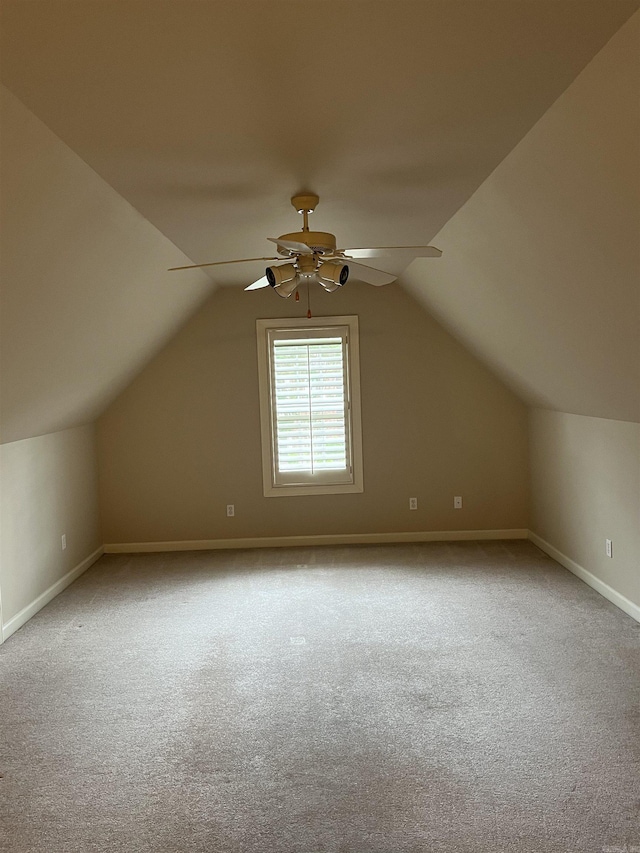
{"type": "Point", "coordinates": [48, 487]}
{"type": "Point", "coordinates": [585, 488]}
{"type": "Point", "coordinates": [184, 439]}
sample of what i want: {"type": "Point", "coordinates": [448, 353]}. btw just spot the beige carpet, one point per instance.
{"type": "Point", "coordinates": [467, 698]}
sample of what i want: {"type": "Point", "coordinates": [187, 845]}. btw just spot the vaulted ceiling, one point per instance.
{"type": "Point", "coordinates": [207, 116]}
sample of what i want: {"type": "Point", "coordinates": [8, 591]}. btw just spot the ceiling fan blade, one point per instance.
{"type": "Point", "coordinates": [261, 282]}
{"type": "Point", "coordinates": [374, 251]}
{"type": "Point", "coordinates": [292, 246]}
{"type": "Point", "coordinates": [219, 263]}
{"type": "Point", "coordinates": [370, 275]}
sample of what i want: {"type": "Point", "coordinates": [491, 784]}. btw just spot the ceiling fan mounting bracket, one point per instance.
{"type": "Point", "coordinates": [305, 202]}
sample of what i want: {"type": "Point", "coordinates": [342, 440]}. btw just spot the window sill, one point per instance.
{"type": "Point", "coordinates": [309, 489]}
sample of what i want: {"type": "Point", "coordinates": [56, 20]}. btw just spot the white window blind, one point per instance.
{"type": "Point", "coordinates": [308, 387]}
{"type": "Point", "coordinates": [310, 400]}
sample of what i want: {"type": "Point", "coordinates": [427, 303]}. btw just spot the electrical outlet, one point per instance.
{"type": "Point", "coordinates": [608, 544]}
{"type": "Point", "coordinates": [413, 503]}
{"type": "Point", "coordinates": [63, 540]}
{"type": "Point", "coordinates": [231, 510]}
{"type": "Point", "coordinates": [457, 502]}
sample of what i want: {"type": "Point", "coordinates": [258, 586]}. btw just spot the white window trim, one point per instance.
{"type": "Point", "coordinates": [356, 483]}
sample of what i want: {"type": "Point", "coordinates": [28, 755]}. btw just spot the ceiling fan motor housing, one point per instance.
{"type": "Point", "coordinates": [321, 242]}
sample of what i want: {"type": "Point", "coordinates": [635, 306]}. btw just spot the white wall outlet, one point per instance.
{"type": "Point", "coordinates": [457, 502]}
{"type": "Point", "coordinates": [608, 544]}
{"type": "Point", "coordinates": [231, 510]}
{"type": "Point", "coordinates": [63, 541]}
{"type": "Point", "coordinates": [413, 503]}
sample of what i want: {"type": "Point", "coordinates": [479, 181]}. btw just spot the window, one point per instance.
{"type": "Point", "coordinates": [310, 406]}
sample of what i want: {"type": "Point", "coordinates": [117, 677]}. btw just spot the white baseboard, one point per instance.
{"type": "Point", "coordinates": [30, 610]}
{"type": "Point", "coordinates": [603, 588]}
{"type": "Point", "coordinates": [323, 539]}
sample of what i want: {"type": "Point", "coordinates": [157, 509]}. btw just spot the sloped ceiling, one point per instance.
{"type": "Point", "coordinates": [541, 268]}
{"type": "Point", "coordinates": [207, 116]}
{"type": "Point", "coordinates": [86, 298]}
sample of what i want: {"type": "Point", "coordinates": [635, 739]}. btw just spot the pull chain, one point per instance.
{"type": "Point", "coordinates": [308, 303]}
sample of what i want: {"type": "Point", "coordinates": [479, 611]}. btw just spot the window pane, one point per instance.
{"type": "Point", "coordinates": [309, 398]}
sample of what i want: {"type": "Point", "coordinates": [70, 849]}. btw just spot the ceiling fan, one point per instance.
{"type": "Point", "coordinates": [312, 256]}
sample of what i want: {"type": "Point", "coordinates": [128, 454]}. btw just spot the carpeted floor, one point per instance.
{"type": "Point", "coordinates": [459, 697]}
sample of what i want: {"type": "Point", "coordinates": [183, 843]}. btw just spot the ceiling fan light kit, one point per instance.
{"type": "Point", "coordinates": [287, 288]}
{"type": "Point", "coordinates": [329, 286]}
{"type": "Point", "coordinates": [312, 256]}
{"type": "Point", "coordinates": [283, 274]}
{"type": "Point", "coordinates": [334, 272]}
